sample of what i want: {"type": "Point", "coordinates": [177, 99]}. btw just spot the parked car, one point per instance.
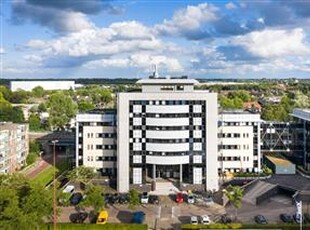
{"type": "Point", "coordinates": [138, 217]}
{"type": "Point", "coordinates": [69, 189]}
{"type": "Point", "coordinates": [226, 219]}
{"type": "Point", "coordinates": [286, 218]}
{"type": "Point", "coordinates": [153, 199]}
{"type": "Point", "coordinates": [123, 198]}
{"type": "Point", "coordinates": [76, 198]}
{"type": "Point", "coordinates": [79, 217]}
{"type": "Point", "coordinates": [205, 219]}
{"type": "Point", "coordinates": [260, 219]}
{"type": "Point", "coordinates": [144, 198]}
{"type": "Point", "coordinates": [194, 220]}
{"type": "Point", "coordinates": [114, 199]}
{"type": "Point", "coordinates": [102, 217]}
{"type": "Point", "coordinates": [190, 199]}
{"type": "Point", "coordinates": [179, 198]}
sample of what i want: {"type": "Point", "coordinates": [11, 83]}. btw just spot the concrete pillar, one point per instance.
{"type": "Point", "coordinates": [154, 172]}
{"type": "Point", "coordinates": [181, 173]}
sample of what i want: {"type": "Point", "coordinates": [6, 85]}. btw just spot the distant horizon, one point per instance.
{"type": "Point", "coordinates": [108, 39]}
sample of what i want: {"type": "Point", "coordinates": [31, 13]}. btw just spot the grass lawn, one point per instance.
{"type": "Point", "coordinates": [46, 176]}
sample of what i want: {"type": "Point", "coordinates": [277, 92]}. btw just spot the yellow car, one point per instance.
{"type": "Point", "coordinates": [102, 217]}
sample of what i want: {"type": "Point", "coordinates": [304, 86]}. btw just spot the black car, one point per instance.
{"type": "Point", "coordinates": [153, 199]}
{"type": "Point", "coordinates": [225, 219]}
{"type": "Point", "coordinates": [114, 199]}
{"type": "Point", "coordinates": [78, 218]}
{"type": "Point", "coordinates": [260, 219]}
{"type": "Point", "coordinates": [286, 218]}
{"type": "Point", "coordinates": [123, 198]}
{"type": "Point", "coordinates": [76, 198]}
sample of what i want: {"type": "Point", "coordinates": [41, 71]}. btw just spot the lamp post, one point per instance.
{"type": "Point", "coordinates": [54, 184]}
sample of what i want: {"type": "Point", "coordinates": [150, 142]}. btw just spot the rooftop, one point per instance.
{"type": "Point", "coordinates": [278, 160]}
{"type": "Point", "coordinates": [168, 81]}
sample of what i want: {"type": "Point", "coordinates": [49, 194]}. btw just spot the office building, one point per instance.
{"type": "Point", "coordinates": [168, 130]}
{"type": "Point", "coordinates": [96, 141]}
{"type": "Point", "coordinates": [239, 142]}
{"type": "Point", "coordinates": [13, 146]}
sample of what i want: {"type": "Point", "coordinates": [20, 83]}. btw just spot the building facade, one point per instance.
{"type": "Point", "coordinates": [46, 85]}
{"type": "Point", "coordinates": [302, 116]}
{"type": "Point", "coordinates": [168, 130]}
{"type": "Point", "coordinates": [96, 141]}
{"type": "Point", "coordinates": [13, 146]}
{"type": "Point", "coordinates": [239, 148]}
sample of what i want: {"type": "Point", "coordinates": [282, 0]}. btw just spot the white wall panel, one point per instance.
{"type": "Point", "coordinates": [175, 134]}
{"type": "Point", "coordinates": [167, 121]}
{"type": "Point", "coordinates": [167, 160]}
{"type": "Point", "coordinates": [167, 147]}
{"type": "Point", "coordinates": [167, 109]}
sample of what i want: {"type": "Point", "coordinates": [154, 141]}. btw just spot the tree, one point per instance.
{"type": "Point", "coordinates": [42, 107]}
{"type": "Point", "coordinates": [84, 106]}
{"type": "Point", "coordinates": [17, 115]}
{"type": "Point", "coordinates": [93, 198]}
{"type": "Point", "coordinates": [38, 91]}
{"type": "Point", "coordinates": [133, 197]}
{"type": "Point", "coordinates": [81, 174]}
{"type": "Point", "coordinates": [22, 204]}
{"type": "Point", "coordinates": [34, 147]}
{"type": "Point", "coordinates": [31, 158]}
{"type": "Point", "coordinates": [34, 122]}
{"type": "Point", "coordinates": [61, 110]}
{"type": "Point", "coordinates": [234, 195]}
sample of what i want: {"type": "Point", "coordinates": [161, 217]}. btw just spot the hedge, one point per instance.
{"type": "Point", "coordinates": [108, 226]}
{"type": "Point", "coordinates": [246, 226]}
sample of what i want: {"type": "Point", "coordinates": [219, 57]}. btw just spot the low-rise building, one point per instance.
{"type": "Point", "coordinates": [13, 146]}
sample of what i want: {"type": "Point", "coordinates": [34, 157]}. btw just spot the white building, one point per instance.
{"type": "Point", "coordinates": [13, 146]}
{"type": "Point", "coordinates": [46, 85]}
{"type": "Point", "coordinates": [239, 142]}
{"type": "Point", "coordinates": [168, 130]}
{"type": "Point", "coordinates": [96, 141]}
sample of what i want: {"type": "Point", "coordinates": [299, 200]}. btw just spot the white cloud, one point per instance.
{"type": "Point", "coordinates": [118, 38]}
{"type": "Point", "coordinates": [2, 51]}
{"type": "Point", "coordinates": [188, 19]}
{"type": "Point", "coordinates": [274, 43]}
{"type": "Point", "coordinates": [230, 6]}
{"type": "Point", "coordinates": [143, 61]}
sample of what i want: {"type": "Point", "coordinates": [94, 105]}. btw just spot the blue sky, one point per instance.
{"type": "Point", "coordinates": [123, 39]}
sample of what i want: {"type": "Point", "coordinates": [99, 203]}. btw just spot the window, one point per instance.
{"type": "Point", "coordinates": [137, 176]}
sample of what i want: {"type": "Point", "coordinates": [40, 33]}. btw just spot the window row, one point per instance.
{"type": "Point", "coordinates": [167, 102]}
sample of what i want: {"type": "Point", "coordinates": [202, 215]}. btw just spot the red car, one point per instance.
{"type": "Point", "coordinates": [179, 198]}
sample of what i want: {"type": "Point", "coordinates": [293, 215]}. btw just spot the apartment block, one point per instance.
{"type": "Point", "coordinates": [13, 146]}
{"type": "Point", "coordinates": [239, 148]}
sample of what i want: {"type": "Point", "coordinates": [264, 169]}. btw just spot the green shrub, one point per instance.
{"type": "Point", "coordinates": [31, 158]}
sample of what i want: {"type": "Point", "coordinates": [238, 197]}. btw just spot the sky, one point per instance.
{"type": "Point", "coordinates": [125, 39]}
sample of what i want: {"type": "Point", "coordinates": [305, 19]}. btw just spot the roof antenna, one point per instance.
{"type": "Point", "coordinates": [155, 73]}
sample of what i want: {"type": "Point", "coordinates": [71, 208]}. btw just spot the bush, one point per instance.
{"type": "Point", "coordinates": [31, 158]}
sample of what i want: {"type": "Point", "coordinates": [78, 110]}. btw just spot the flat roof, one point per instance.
{"type": "Point", "coordinates": [278, 161]}
{"type": "Point", "coordinates": [163, 81]}
{"type": "Point", "coordinates": [303, 114]}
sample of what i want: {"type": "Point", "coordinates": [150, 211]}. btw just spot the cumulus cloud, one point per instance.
{"type": "Point", "coordinates": [187, 21]}
{"type": "Point", "coordinates": [77, 48]}
{"type": "Point", "coordinates": [230, 6]}
{"type": "Point", "coordinates": [61, 16]}
{"type": "Point", "coordinates": [143, 61]}
{"type": "Point", "coordinates": [274, 43]}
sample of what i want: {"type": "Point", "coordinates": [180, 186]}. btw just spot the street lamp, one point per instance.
{"type": "Point", "coordinates": [54, 163]}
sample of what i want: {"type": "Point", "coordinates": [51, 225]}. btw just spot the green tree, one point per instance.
{"type": "Point", "coordinates": [20, 96]}
{"type": "Point", "coordinates": [23, 205]}
{"type": "Point", "coordinates": [234, 195]}
{"type": "Point", "coordinates": [134, 198]}
{"type": "Point", "coordinates": [81, 174]}
{"type": "Point", "coordinates": [34, 122]}
{"type": "Point", "coordinates": [38, 92]}
{"type": "Point", "coordinates": [17, 115]}
{"type": "Point", "coordinates": [34, 147]}
{"type": "Point", "coordinates": [93, 198]}
{"type": "Point", "coordinates": [61, 110]}
{"type": "Point", "coordinates": [84, 106]}
{"type": "Point", "coordinates": [31, 158]}
{"type": "Point", "coordinates": [5, 109]}
{"type": "Point", "coordinates": [42, 107]}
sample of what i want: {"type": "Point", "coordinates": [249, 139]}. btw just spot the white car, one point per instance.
{"type": "Point", "coordinates": [68, 189]}
{"type": "Point", "coordinates": [144, 198]}
{"type": "Point", "coordinates": [194, 220]}
{"type": "Point", "coordinates": [190, 199]}
{"type": "Point", "coordinates": [205, 219]}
